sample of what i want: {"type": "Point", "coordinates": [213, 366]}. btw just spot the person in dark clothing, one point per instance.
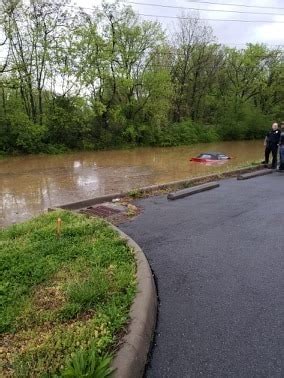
{"type": "Point", "coordinates": [271, 142]}
{"type": "Point", "coordinates": [281, 148]}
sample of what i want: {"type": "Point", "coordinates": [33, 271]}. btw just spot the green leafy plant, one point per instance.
{"type": "Point", "coordinates": [87, 363]}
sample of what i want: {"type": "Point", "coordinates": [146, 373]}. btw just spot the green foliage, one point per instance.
{"type": "Point", "coordinates": [66, 122]}
{"type": "Point", "coordinates": [179, 133]}
{"type": "Point", "coordinates": [118, 81]}
{"type": "Point", "coordinates": [246, 122]}
{"type": "Point", "coordinates": [21, 134]}
{"type": "Point", "coordinates": [30, 137]}
{"type": "Point", "coordinates": [187, 132]}
{"type": "Point", "coordinates": [141, 134]}
{"type": "Point", "coordinates": [136, 193]}
{"type": "Point", "coordinates": [60, 295]}
{"type": "Point", "coordinates": [87, 363]}
{"type": "Point", "coordinates": [90, 292]}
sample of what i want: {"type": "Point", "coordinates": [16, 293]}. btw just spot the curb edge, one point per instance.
{"type": "Point", "coordinates": [131, 358]}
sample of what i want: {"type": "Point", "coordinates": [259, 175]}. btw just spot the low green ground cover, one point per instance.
{"type": "Point", "coordinates": [64, 301]}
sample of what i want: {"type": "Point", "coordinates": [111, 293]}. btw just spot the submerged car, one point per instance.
{"type": "Point", "coordinates": [210, 157]}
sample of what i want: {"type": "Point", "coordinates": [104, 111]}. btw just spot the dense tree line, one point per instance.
{"type": "Point", "coordinates": [71, 79]}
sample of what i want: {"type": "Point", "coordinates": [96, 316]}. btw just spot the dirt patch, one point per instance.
{"type": "Point", "coordinates": [49, 298]}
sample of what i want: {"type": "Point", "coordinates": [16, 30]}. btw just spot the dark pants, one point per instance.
{"type": "Point", "coordinates": [281, 157]}
{"type": "Point", "coordinates": [271, 148]}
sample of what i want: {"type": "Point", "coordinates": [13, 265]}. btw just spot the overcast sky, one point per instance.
{"type": "Point", "coordinates": [232, 33]}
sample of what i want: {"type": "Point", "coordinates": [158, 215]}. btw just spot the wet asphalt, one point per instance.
{"type": "Point", "coordinates": [218, 261]}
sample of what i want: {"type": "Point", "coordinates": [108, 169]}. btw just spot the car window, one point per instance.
{"type": "Point", "coordinates": [205, 156]}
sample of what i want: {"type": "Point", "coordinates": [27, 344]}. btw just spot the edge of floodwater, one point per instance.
{"type": "Point", "coordinates": [158, 188]}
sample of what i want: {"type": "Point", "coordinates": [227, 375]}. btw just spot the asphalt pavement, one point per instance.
{"type": "Point", "coordinates": [218, 261]}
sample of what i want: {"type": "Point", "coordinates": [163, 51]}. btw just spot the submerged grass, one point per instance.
{"type": "Point", "coordinates": [62, 298]}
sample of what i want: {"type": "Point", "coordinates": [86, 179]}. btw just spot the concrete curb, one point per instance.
{"type": "Point", "coordinates": [152, 188]}
{"type": "Point", "coordinates": [131, 358]}
{"type": "Point", "coordinates": [247, 176]}
{"type": "Point", "coordinates": [194, 190]}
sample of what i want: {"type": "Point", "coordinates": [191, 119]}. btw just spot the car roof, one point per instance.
{"type": "Point", "coordinates": [213, 153]}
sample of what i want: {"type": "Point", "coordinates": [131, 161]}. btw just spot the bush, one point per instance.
{"type": "Point", "coordinates": [247, 122]}
{"type": "Point", "coordinates": [19, 133]}
{"type": "Point", "coordinates": [67, 122]}
{"type": "Point", "coordinates": [186, 133]}
{"type": "Point", "coordinates": [28, 135]}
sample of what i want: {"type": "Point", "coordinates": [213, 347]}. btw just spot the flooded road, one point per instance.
{"type": "Point", "coordinates": [30, 184]}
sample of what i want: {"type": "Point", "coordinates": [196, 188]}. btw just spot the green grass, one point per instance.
{"type": "Point", "coordinates": [136, 193]}
{"type": "Point", "coordinates": [62, 298]}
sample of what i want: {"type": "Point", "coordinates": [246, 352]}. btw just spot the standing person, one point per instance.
{"type": "Point", "coordinates": [271, 142]}
{"type": "Point", "coordinates": [281, 148]}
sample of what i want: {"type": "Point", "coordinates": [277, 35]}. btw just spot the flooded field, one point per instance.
{"type": "Point", "coordinates": [30, 184]}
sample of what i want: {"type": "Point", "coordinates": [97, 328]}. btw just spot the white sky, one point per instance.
{"type": "Point", "coordinates": [232, 33]}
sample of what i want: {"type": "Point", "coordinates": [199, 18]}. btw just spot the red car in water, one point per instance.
{"type": "Point", "coordinates": [210, 157]}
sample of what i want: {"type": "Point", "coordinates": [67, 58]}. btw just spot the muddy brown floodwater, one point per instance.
{"type": "Point", "coordinates": [30, 184]}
